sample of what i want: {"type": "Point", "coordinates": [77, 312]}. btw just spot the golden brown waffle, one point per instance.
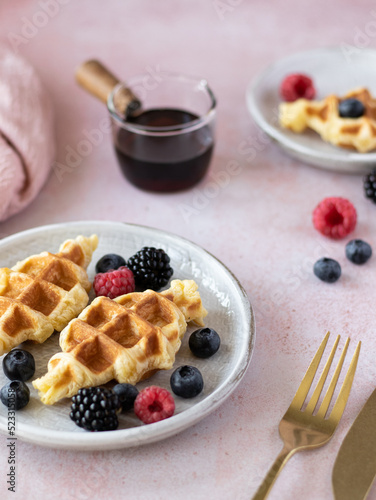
{"type": "Point", "coordinates": [184, 294]}
{"type": "Point", "coordinates": [126, 339]}
{"type": "Point", "coordinates": [323, 117]}
{"type": "Point", "coordinates": [44, 292]}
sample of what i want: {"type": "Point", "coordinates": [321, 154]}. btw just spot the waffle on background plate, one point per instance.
{"type": "Point", "coordinates": [127, 339]}
{"type": "Point", "coordinates": [44, 292]}
{"type": "Point", "coordinates": [323, 117]}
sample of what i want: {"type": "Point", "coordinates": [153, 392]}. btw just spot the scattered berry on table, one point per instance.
{"type": "Point", "coordinates": [151, 268]}
{"type": "Point", "coordinates": [327, 270]}
{"type": "Point", "coordinates": [126, 394]}
{"type": "Point", "coordinates": [15, 395]}
{"type": "Point", "coordinates": [335, 217]}
{"type": "Point", "coordinates": [369, 184]}
{"type": "Point", "coordinates": [351, 108]}
{"type": "Point", "coordinates": [109, 262]}
{"type": "Point", "coordinates": [358, 251]}
{"type": "Point", "coordinates": [154, 404]}
{"type": "Point", "coordinates": [297, 86]}
{"type": "Point", "coordinates": [204, 342]}
{"type": "Point", "coordinates": [95, 409]}
{"type": "Point", "coordinates": [114, 283]}
{"type": "Point", "coordinates": [19, 364]}
{"type": "Point", "coordinates": [186, 381]}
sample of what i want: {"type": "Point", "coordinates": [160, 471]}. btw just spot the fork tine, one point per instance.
{"type": "Point", "coordinates": [343, 395]}
{"type": "Point", "coordinates": [329, 393]}
{"type": "Point", "coordinates": [316, 394]}
{"type": "Point", "coordinates": [306, 383]}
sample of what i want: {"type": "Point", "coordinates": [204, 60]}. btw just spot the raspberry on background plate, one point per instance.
{"type": "Point", "coordinates": [297, 86]}
{"type": "Point", "coordinates": [335, 217]}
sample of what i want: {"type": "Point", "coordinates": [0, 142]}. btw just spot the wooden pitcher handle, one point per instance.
{"type": "Point", "coordinates": [94, 77]}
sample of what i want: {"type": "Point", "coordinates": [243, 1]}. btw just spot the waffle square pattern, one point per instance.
{"type": "Point", "coordinates": [127, 339]}
{"type": "Point", "coordinates": [44, 292]}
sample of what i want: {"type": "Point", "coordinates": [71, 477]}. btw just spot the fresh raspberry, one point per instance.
{"type": "Point", "coordinates": [114, 283]}
{"type": "Point", "coordinates": [153, 404]}
{"type": "Point", "coordinates": [334, 217]}
{"type": "Point", "coordinates": [297, 86]}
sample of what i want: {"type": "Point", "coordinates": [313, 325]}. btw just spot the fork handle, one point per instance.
{"type": "Point", "coordinates": [272, 474]}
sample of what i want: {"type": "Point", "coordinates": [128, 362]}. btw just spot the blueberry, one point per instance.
{"type": "Point", "coordinates": [15, 395]}
{"type": "Point", "coordinates": [19, 365]}
{"type": "Point", "coordinates": [186, 381]}
{"type": "Point", "coordinates": [126, 394]}
{"type": "Point", "coordinates": [204, 342]}
{"type": "Point", "coordinates": [327, 270]}
{"type": "Point", "coordinates": [351, 108]}
{"type": "Point", "coordinates": [358, 251]}
{"type": "Point", "coordinates": [109, 261]}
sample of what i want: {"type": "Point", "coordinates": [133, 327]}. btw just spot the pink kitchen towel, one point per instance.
{"type": "Point", "coordinates": [27, 139]}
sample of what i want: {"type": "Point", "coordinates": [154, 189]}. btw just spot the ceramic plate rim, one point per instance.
{"type": "Point", "coordinates": [142, 435]}
{"type": "Point", "coordinates": [288, 143]}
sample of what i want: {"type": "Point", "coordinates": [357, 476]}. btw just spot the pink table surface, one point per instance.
{"type": "Point", "coordinates": [259, 224]}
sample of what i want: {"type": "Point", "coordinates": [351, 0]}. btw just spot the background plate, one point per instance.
{"type": "Point", "coordinates": [334, 71]}
{"type": "Point", "coordinates": [229, 313]}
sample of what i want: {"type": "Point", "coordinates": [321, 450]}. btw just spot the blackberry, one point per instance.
{"type": "Point", "coordinates": [151, 268]}
{"type": "Point", "coordinates": [369, 183]}
{"type": "Point", "coordinates": [95, 408]}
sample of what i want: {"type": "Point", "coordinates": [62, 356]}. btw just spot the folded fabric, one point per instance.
{"type": "Point", "coordinates": [27, 139]}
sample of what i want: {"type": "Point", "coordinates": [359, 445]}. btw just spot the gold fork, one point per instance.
{"type": "Point", "coordinates": [301, 429]}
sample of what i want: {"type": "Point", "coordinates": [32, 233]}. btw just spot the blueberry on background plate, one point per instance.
{"type": "Point", "coordinates": [15, 395]}
{"type": "Point", "coordinates": [358, 251]}
{"type": "Point", "coordinates": [327, 270]}
{"type": "Point", "coordinates": [19, 364]}
{"type": "Point", "coordinates": [351, 108]}
{"type": "Point", "coordinates": [186, 381]}
{"type": "Point", "coordinates": [109, 261]}
{"type": "Point", "coordinates": [126, 393]}
{"type": "Point", "coordinates": [204, 342]}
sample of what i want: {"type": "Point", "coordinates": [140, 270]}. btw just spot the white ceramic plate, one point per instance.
{"type": "Point", "coordinates": [229, 313]}
{"type": "Point", "coordinates": [333, 70]}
